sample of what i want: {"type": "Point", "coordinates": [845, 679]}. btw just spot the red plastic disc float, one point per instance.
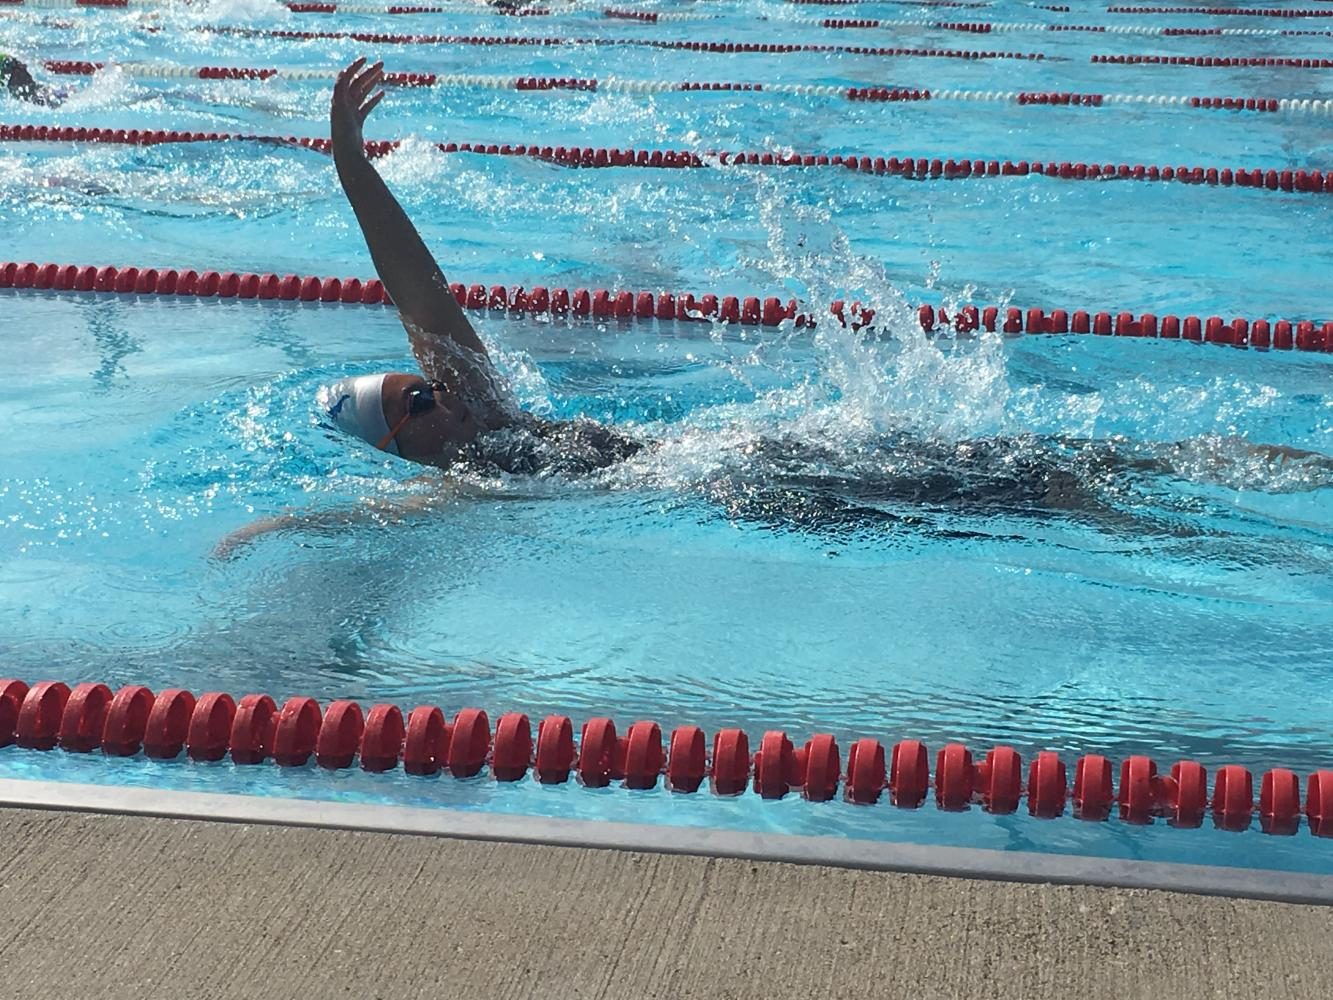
{"type": "Point", "coordinates": [297, 730]}
{"type": "Point", "coordinates": [866, 775]}
{"type": "Point", "coordinates": [513, 747]}
{"type": "Point", "coordinates": [597, 751]}
{"type": "Point", "coordinates": [252, 729]}
{"type": "Point", "coordinates": [1280, 802]}
{"type": "Point", "coordinates": [774, 765]}
{"type": "Point", "coordinates": [469, 742]}
{"type": "Point", "coordinates": [127, 721]}
{"type": "Point", "coordinates": [1188, 797]}
{"type": "Point", "coordinates": [12, 693]}
{"type": "Point", "coordinates": [909, 774]}
{"type": "Point", "coordinates": [210, 726]}
{"type": "Point", "coordinates": [167, 724]}
{"type": "Point", "coordinates": [954, 777]}
{"type": "Point", "coordinates": [83, 718]}
{"type": "Point", "coordinates": [823, 767]}
{"type": "Point", "coordinates": [426, 744]}
{"type": "Point", "coordinates": [1138, 798]}
{"type": "Point", "coordinates": [1319, 803]}
{"type": "Point", "coordinates": [1001, 780]}
{"type": "Point", "coordinates": [1092, 787]}
{"type": "Point", "coordinates": [555, 750]}
{"type": "Point", "coordinates": [38, 726]}
{"type": "Point", "coordinates": [1047, 785]}
{"type": "Point", "coordinates": [731, 762]}
{"type": "Point", "coordinates": [382, 739]}
{"type": "Point", "coordinates": [1233, 798]}
{"type": "Point", "coordinates": [644, 758]}
{"type": "Point", "coordinates": [686, 759]}
{"type": "Point", "coordinates": [340, 735]}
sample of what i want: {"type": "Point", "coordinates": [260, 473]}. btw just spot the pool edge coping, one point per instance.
{"type": "Point", "coordinates": [840, 852]}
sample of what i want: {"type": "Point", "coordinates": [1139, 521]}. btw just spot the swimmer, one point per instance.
{"type": "Point", "coordinates": [19, 84]}
{"type": "Point", "coordinates": [458, 412]}
{"type": "Point", "coordinates": [458, 408]}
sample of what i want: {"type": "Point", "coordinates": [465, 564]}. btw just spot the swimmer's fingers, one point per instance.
{"type": "Point", "coordinates": [365, 82]}
{"type": "Point", "coordinates": [345, 76]}
{"type": "Point", "coordinates": [369, 106]}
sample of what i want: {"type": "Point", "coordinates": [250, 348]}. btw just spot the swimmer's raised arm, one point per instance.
{"type": "Point", "coordinates": [435, 323]}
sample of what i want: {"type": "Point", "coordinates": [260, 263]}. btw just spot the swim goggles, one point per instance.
{"type": "Point", "coordinates": [420, 399]}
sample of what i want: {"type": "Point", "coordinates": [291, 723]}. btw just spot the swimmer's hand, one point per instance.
{"type": "Point", "coordinates": [352, 103]}
{"type": "Point", "coordinates": [231, 545]}
{"type": "Point", "coordinates": [371, 510]}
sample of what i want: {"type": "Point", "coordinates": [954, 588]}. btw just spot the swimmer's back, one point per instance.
{"type": "Point", "coordinates": [532, 446]}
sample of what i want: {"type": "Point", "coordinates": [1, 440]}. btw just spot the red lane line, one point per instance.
{"type": "Point", "coordinates": [1238, 11]}
{"type": "Point", "coordinates": [982, 28]}
{"type": "Point", "coordinates": [546, 83]}
{"type": "Point", "coordinates": [1218, 62]}
{"type": "Point", "coordinates": [256, 729]}
{"type": "Point", "coordinates": [332, 8]}
{"type": "Point", "coordinates": [898, 3]}
{"type": "Point", "coordinates": [922, 168]}
{"type": "Point", "coordinates": [624, 304]}
{"type": "Point", "coordinates": [767, 48]}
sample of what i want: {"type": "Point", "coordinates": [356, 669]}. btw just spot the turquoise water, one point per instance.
{"type": "Point", "coordinates": [718, 579]}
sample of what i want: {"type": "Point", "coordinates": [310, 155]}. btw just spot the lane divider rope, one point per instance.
{"type": "Point", "coordinates": [1213, 62]}
{"type": "Point", "coordinates": [989, 27]}
{"type": "Point", "coordinates": [424, 741]}
{"type": "Point", "coordinates": [1261, 334]}
{"type": "Point", "coordinates": [665, 17]}
{"type": "Point", "coordinates": [768, 48]}
{"type": "Point", "coordinates": [1288, 12]}
{"type": "Point", "coordinates": [922, 168]}
{"type": "Point", "coordinates": [616, 85]}
{"type": "Point", "coordinates": [897, 3]}
{"type": "Point", "coordinates": [979, 27]}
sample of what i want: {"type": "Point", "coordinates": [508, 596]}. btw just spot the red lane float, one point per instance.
{"type": "Point", "coordinates": [295, 732]}
{"type": "Point", "coordinates": [252, 729]}
{"type": "Point", "coordinates": [126, 727]}
{"type": "Point", "coordinates": [426, 741]}
{"type": "Point", "coordinates": [12, 693]}
{"type": "Point", "coordinates": [382, 739]}
{"type": "Point", "coordinates": [1282, 335]}
{"type": "Point", "coordinates": [687, 760]}
{"type": "Point", "coordinates": [168, 724]}
{"type": "Point", "coordinates": [89, 718]}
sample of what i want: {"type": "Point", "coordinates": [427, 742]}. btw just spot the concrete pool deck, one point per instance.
{"type": "Point", "coordinates": [122, 906]}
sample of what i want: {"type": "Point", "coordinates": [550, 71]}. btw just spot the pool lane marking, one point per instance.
{"type": "Point", "coordinates": [534, 41]}
{"type": "Point", "coordinates": [731, 48]}
{"type": "Point", "coordinates": [1281, 12]}
{"type": "Point", "coordinates": [257, 729]}
{"type": "Point", "coordinates": [656, 17]}
{"type": "Point", "coordinates": [907, 167]}
{"type": "Point", "coordinates": [602, 303]}
{"type": "Point", "coordinates": [624, 86]}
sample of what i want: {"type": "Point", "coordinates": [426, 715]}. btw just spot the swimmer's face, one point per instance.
{"type": "Point", "coordinates": [436, 417]}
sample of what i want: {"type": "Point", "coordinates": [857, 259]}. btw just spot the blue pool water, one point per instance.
{"type": "Point", "coordinates": [717, 579]}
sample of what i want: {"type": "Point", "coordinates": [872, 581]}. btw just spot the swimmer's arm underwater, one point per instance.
{"type": "Point", "coordinates": [371, 510]}
{"type": "Point", "coordinates": [435, 322]}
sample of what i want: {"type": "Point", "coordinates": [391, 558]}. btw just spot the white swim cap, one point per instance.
{"type": "Point", "coordinates": [356, 406]}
